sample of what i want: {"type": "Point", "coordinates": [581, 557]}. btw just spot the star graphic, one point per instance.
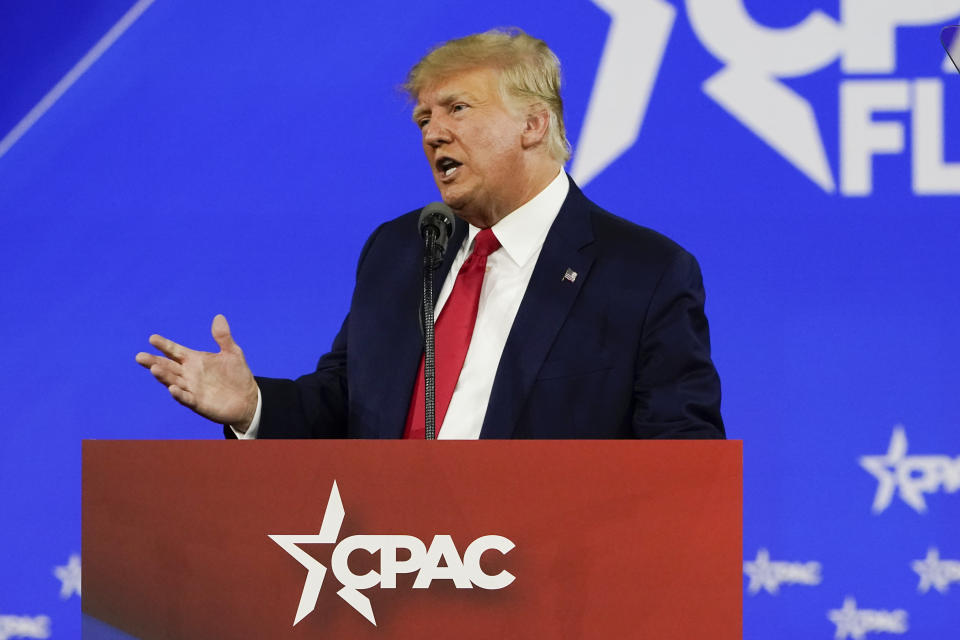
{"type": "Point", "coordinates": [69, 577]}
{"type": "Point", "coordinates": [935, 572]}
{"type": "Point", "coordinates": [767, 575]}
{"type": "Point", "coordinates": [762, 575]}
{"type": "Point", "coordinates": [848, 620]}
{"type": "Point", "coordinates": [857, 623]}
{"type": "Point", "coordinates": [632, 56]}
{"type": "Point", "coordinates": [884, 468]}
{"type": "Point", "coordinates": [329, 531]}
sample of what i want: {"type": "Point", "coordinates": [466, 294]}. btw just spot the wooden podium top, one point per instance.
{"type": "Point", "coordinates": [608, 539]}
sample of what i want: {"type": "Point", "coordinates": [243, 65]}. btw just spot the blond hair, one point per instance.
{"type": "Point", "coordinates": [529, 72]}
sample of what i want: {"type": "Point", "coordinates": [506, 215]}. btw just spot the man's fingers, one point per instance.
{"type": "Point", "coordinates": [150, 360]}
{"type": "Point", "coordinates": [183, 397]}
{"type": "Point", "coordinates": [167, 372]}
{"type": "Point", "coordinates": [169, 348]}
{"type": "Point", "coordinates": [146, 360]}
{"type": "Point", "coordinates": [220, 331]}
{"type": "Point", "coordinates": [156, 363]}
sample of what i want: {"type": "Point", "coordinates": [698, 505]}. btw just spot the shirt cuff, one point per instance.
{"type": "Point", "coordinates": [254, 428]}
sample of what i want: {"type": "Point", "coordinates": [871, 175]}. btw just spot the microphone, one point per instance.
{"type": "Point", "coordinates": [436, 227]}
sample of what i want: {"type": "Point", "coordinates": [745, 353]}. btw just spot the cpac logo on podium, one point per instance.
{"type": "Point", "coordinates": [751, 86]}
{"type": "Point", "coordinates": [465, 572]}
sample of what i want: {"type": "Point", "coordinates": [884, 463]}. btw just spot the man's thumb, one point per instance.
{"type": "Point", "coordinates": [220, 331]}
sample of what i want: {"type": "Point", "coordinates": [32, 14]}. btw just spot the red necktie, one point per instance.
{"type": "Point", "coordinates": [453, 331]}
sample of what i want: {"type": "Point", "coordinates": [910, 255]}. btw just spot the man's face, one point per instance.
{"type": "Point", "coordinates": [473, 142]}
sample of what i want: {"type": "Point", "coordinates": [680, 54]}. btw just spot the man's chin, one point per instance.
{"type": "Point", "coordinates": [453, 199]}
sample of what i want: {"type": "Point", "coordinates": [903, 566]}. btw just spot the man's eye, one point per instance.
{"type": "Point", "coordinates": [458, 107]}
{"type": "Point", "coordinates": [422, 122]}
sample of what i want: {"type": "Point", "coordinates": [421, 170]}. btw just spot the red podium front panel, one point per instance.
{"type": "Point", "coordinates": [396, 539]}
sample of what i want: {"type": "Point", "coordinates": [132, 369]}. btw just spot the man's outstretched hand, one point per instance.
{"type": "Point", "coordinates": [218, 386]}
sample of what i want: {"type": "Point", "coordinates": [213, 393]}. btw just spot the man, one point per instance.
{"type": "Point", "coordinates": [564, 321]}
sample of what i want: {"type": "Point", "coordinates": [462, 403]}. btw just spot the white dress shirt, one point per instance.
{"type": "Point", "coordinates": [521, 234]}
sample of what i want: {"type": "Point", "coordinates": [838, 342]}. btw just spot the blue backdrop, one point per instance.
{"type": "Point", "coordinates": [232, 158]}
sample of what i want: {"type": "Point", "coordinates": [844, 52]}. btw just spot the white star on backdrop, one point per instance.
{"type": "Point", "coordinates": [768, 575]}
{"type": "Point", "coordinates": [69, 577]}
{"type": "Point", "coordinates": [761, 574]}
{"type": "Point", "coordinates": [857, 623]}
{"type": "Point", "coordinates": [935, 572]}
{"type": "Point", "coordinates": [847, 620]}
{"type": "Point", "coordinates": [884, 469]}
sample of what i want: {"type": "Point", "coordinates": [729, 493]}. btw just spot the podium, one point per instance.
{"type": "Point", "coordinates": [403, 539]}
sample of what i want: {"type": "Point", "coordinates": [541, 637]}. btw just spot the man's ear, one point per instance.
{"type": "Point", "coordinates": [536, 125]}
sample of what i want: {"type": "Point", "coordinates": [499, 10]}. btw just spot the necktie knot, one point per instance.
{"type": "Point", "coordinates": [485, 243]}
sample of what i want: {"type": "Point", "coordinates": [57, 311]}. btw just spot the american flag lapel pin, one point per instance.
{"type": "Point", "coordinates": [570, 275]}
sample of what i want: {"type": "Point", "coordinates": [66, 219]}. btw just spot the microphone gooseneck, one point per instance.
{"type": "Point", "coordinates": [436, 226]}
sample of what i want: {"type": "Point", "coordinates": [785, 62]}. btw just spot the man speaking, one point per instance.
{"type": "Point", "coordinates": [554, 319]}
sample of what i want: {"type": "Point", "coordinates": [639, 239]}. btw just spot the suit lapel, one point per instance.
{"type": "Point", "coordinates": [546, 303]}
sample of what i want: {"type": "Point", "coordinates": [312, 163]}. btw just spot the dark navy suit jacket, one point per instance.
{"type": "Point", "coordinates": [622, 351]}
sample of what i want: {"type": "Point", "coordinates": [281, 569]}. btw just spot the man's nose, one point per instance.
{"type": "Point", "coordinates": [435, 134]}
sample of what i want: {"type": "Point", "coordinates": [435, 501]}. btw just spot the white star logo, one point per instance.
{"type": "Point", "coordinates": [761, 574]}
{"type": "Point", "coordinates": [69, 577]}
{"type": "Point", "coordinates": [857, 623]}
{"type": "Point", "coordinates": [935, 572]}
{"type": "Point", "coordinates": [329, 531]}
{"type": "Point", "coordinates": [632, 55]}
{"type": "Point", "coordinates": [847, 620]}
{"type": "Point", "coordinates": [769, 575]}
{"type": "Point", "coordinates": [749, 86]}
{"type": "Point", "coordinates": [884, 469]}
{"type": "Point", "coordinates": [912, 475]}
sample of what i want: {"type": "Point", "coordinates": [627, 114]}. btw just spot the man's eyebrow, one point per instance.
{"type": "Point", "coordinates": [419, 111]}
{"type": "Point", "coordinates": [444, 101]}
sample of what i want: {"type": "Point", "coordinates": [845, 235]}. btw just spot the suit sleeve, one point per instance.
{"type": "Point", "coordinates": [676, 387]}
{"type": "Point", "coordinates": [315, 405]}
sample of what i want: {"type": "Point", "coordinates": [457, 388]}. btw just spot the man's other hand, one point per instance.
{"type": "Point", "coordinates": [218, 386]}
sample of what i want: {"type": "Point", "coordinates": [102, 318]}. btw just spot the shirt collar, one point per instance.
{"type": "Point", "coordinates": [521, 232]}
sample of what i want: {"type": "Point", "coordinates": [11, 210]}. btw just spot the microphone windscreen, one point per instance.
{"type": "Point", "coordinates": [439, 214]}
{"type": "Point", "coordinates": [439, 217]}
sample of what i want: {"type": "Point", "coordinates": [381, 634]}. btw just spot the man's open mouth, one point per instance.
{"type": "Point", "coordinates": [447, 166]}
